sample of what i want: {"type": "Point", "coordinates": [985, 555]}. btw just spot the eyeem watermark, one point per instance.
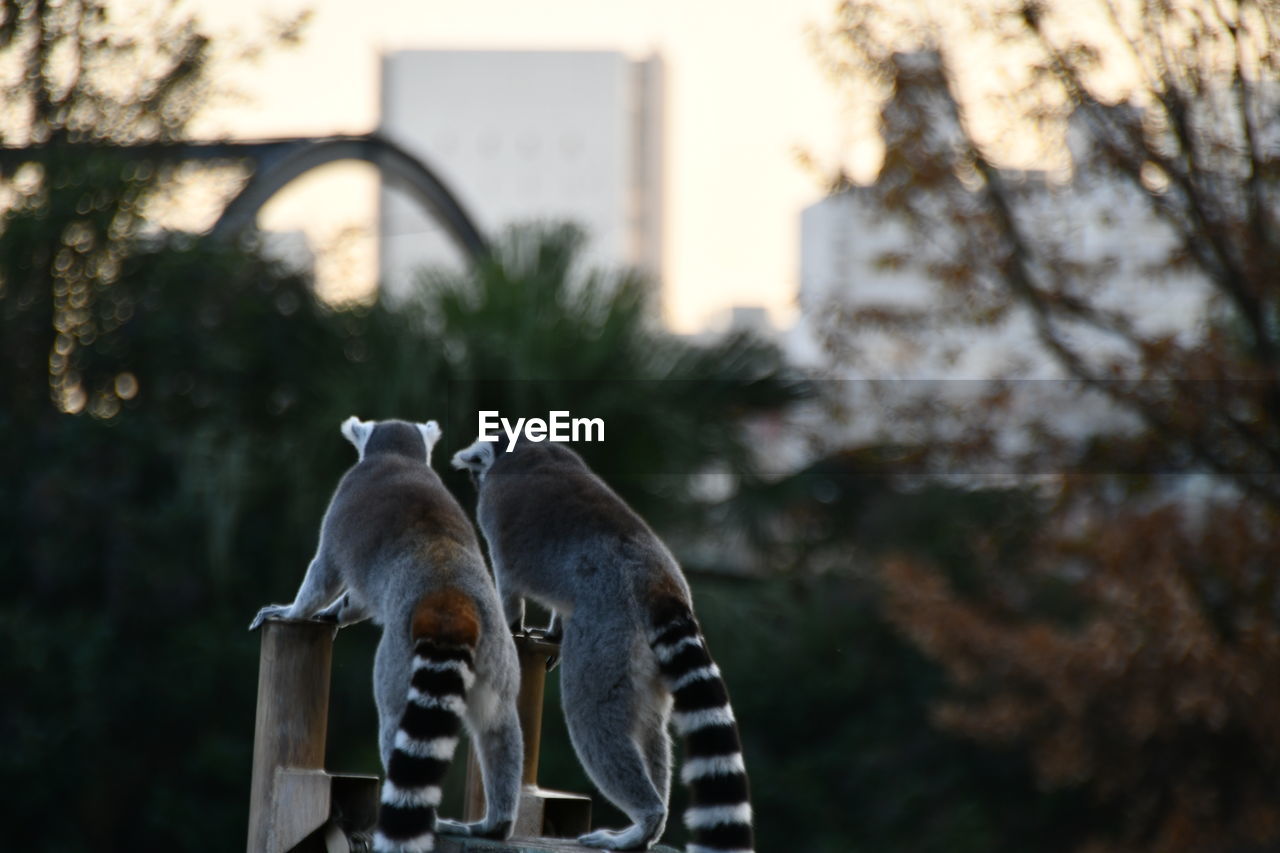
{"type": "Point", "coordinates": [559, 426]}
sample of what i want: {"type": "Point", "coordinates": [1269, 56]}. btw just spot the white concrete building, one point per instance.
{"type": "Point", "coordinates": [527, 135]}
{"type": "Point", "coordinates": [854, 257]}
{"type": "Point", "coordinates": [857, 260]}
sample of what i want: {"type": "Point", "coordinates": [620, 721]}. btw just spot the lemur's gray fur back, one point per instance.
{"type": "Point", "coordinates": [396, 547]}
{"type": "Point", "coordinates": [632, 652]}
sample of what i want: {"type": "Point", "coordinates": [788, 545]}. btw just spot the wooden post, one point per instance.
{"type": "Point", "coordinates": [290, 792]}
{"type": "Point", "coordinates": [534, 652]}
{"type": "Point", "coordinates": [293, 800]}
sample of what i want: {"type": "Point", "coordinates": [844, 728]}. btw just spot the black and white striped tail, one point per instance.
{"type": "Point", "coordinates": [719, 813]}
{"type": "Point", "coordinates": [424, 748]}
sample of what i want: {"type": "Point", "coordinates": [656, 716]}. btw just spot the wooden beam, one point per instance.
{"type": "Point", "coordinates": [290, 794]}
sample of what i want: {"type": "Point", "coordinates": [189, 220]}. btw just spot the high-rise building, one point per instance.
{"type": "Point", "coordinates": [527, 135]}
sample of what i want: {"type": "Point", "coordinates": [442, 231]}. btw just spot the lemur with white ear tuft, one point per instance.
{"type": "Point", "coordinates": [395, 546]}
{"type": "Point", "coordinates": [632, 652]}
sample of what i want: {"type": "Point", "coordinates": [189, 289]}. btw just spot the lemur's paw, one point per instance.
{"type": "Point", "coordinates": [499, 831]}
{"type": "Point", "coordinates": [452, 827]}
{"type": "Point", "coordinates": [480, 829]}
{"type": "Point", "coordinates": [610, 839]}
{"type": "Point", "coordinates": [271, 611]}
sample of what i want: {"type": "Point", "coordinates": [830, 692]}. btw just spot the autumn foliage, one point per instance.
{"type": "Point", "coordinates": [1136, 657]}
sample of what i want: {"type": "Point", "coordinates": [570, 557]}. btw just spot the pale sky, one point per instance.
{"type": "Point", "coordinates": [745, 91]}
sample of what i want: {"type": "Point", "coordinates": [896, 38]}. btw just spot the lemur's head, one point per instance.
{"type": "Point", "coordinates": [412, 440]}
{"type": "Point", "coordinates": [477, 459]}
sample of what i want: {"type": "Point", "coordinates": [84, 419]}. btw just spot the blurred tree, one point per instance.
{"type": "Point", "coordinates": [130, 527]}
{"type": "Point", "coordinates": [1170, 114]}
{"type": "Point", "coordinates": [136, 540]}
{"type": "Point", "coordinates": [1153, 689]}
{"type": "Point", "coordinates": [865, 771]}
{"type": "Point", "coordinates": [868, 772]}
{"type": "Point", "coordinates": [530, 330]}
{"type": "Point", "coordinates": [73, 74]}
{"type": "Point", "coordinates": [1130, 650]}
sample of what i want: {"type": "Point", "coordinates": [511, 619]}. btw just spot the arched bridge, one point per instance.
{"type": "Point", "coordinates": [275, 163]}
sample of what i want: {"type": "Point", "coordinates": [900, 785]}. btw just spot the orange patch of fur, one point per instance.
{"type": "Point", "coordinates": [665, 587]}
{"type": "Point", "coordinates": [448, 617]}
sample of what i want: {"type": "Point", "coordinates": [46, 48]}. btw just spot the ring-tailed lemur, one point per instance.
{"type": "Point", "coordinates": [631, 647]}
{"type": "Point", "coordinates": [395, 546]}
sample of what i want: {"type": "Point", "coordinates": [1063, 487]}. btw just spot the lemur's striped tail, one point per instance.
{"type": "Point", "coordinates": [428, 734]}
{"type": "Point", "coordinates": [719, 813]}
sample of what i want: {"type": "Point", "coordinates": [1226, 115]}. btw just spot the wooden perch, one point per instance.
{"type": "Point", "coordinates": [291, 796]}
{"type": "Point", "coordinates": [296, 806]}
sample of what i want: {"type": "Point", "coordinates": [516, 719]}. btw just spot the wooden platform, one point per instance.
{"type": "Point", "coordinates": [448, 844]}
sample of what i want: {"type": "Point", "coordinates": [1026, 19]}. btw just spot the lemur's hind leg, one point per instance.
{"type": "Point", "coordinates": [501, 751]}
{"type": "Point", "coordinates": [392, 671]}
{"type": "Point", "coordinates": [499, 746]}
{"type": "Point", "coordinates": [657, 752]}
{"type": "Point", "coordinates": [618, 769]}
{"type": "Point", "coordinates": [603, 713]}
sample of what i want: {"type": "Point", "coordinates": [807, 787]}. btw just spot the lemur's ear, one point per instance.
{"type": "Point", "coordinates": [477, 457]}
{"type": "Point", "coordinates": [431, 433]}
{"type": "Point", "coordinates": [357, 432]}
